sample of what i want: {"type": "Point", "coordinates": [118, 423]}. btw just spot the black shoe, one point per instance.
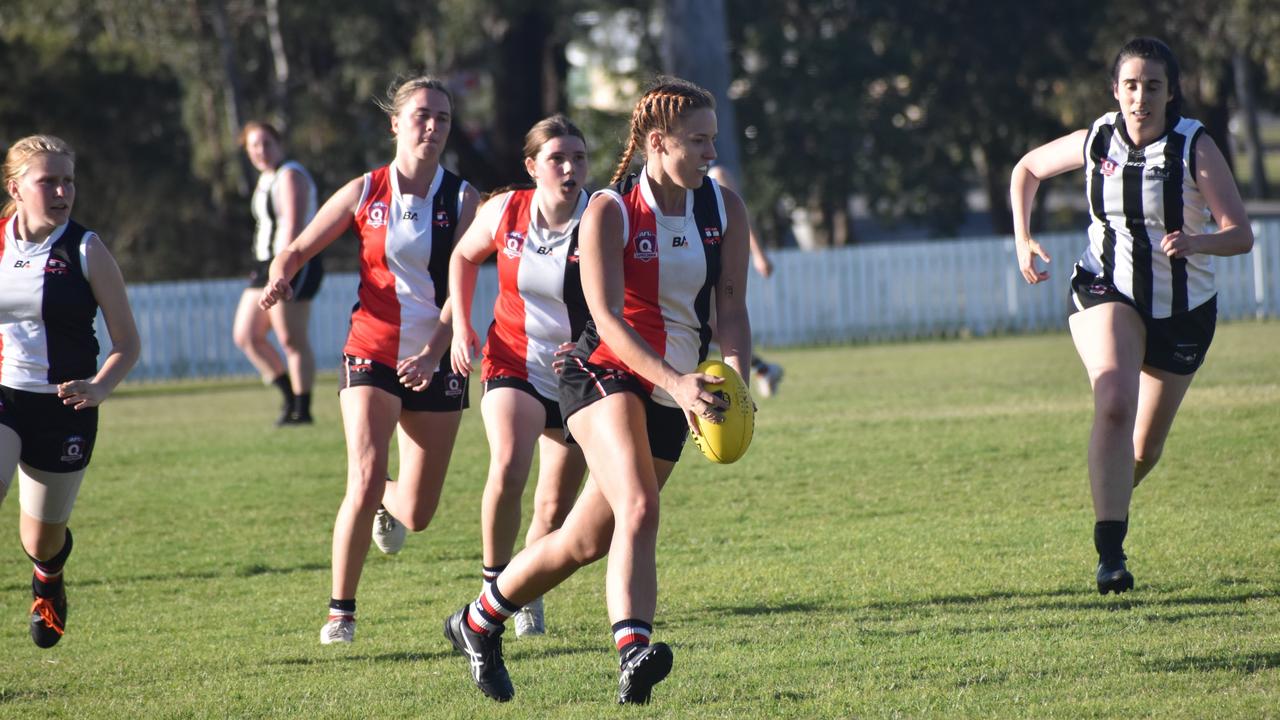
{"type": "Point", "coordinates": [1113, 576]}
{"type": "Point", "coordinates": [289, 417]}
{"type": "Point", "coordinates": [48, 617]}
{"type": "Point", "coordinates": [642, 670]}
{"type": "Point", "coordinates": [484, 652]}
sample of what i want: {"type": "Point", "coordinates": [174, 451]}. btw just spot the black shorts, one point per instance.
{"type": "Point", "coordinates": [446, 393]}
{"type": "Point", "coordinates": [582, 383]}
{"type": "Point", "coordinates": [1176, 344]}
{"type": "Point", "coordinates": [305, 284]}
{"type": "Point", "coordinates": [55, 438]}
{"type": "Point", "coordinates": [554, 421]}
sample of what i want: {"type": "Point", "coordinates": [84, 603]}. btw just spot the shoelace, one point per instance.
{"type": "Point", "coordinates": [44, 608]}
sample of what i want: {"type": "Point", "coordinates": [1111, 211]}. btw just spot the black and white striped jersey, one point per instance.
{"type": "Point", "coordinates": [266, 244]}
{"type": "Point", "coordinates": [1137, 195]}
{"type": "Point", "coordinates": [47, 310]}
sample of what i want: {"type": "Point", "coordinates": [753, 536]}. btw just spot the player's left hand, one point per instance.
{"type": "Point", "coordinates": [81, 394]}
{"type": "Point", "coordinates": [1178, 244]}
{"type": "Point", "coordinates": [416, 371]}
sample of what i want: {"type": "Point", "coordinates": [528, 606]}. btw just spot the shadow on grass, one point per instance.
{"type": "Point", "coordinates": [242, 571]}
{"type": "Point", "coordinates": [11, 696]}
{"type": "Point", "coordinates": [1248, 663]}
{"type": "Point", "coordinates": [340, 657]}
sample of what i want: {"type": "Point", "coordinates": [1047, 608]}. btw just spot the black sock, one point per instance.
{"type": "Point", "coordinates": [1108, 537]}
{"type": "Point", "coordinates": [302, 404]}
{"type": "Point", "coordinates": [342, 607]}
{"type": "Point", "coordinates": [285, 386]}
{"type": "Point", "coordinates": [48, 573]}
{"type": "Point", "coordinates": [758, 364]}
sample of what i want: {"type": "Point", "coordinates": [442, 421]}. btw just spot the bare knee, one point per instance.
{"type": "Point", "coordinates": [243, 338]}
{"type": "Point", "coordinates": [638, 517]}
{"type": "Point", "coordinates": [1115, 401]}
{"type": "Point", "coordinates": [364, 491]}
{"type": "Point", "coordinates": [586, 550]}
{"type": "Point", "coordinates": [551, 511]}
{"type": "Point", "coordinates": [419, 517]}
{"type": "Point", "coordinates": [1146, 455]}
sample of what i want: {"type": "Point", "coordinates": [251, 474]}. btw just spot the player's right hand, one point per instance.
{"type": "Point", "coordinates": [1028, 250]}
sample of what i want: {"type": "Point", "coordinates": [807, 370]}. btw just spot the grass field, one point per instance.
{"type": "Point", "coordinates": [910, 536]}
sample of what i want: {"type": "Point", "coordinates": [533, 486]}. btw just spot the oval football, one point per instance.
{"type": "Point", "coordinates": [727, 441]}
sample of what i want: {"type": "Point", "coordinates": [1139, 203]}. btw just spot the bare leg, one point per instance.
{"type": "Point", "coordinates": [249, 331]}
{"type": "Point", "coordinates": [1159, 396]}
{"type": "Point", "coordinates": [368, 419]}
{"type": "Point", "coordinates": [561, 468]}
{"type": "Point", "coordinates": [512, 421]}
{"type": "Point", "coordinates": [1111, 342]}
{"type": "Point", "coordinates": [426, 442]}
{"type": "Point", "coordinates": [289, 320]}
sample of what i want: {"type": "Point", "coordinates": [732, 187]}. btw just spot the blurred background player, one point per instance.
{"type": "Point", "coordinates": [539, 310]}
{"type": "Point", "coordinates": [54, 277]}
{"type": "Point", "coordinates": [396, 375]}
{"type": "Point", "coordinates": [284, 201]}
{"type": "Point", "coordinates": [767, 375]}
{"type": "Point", "coordinates": [654, 250]}
{"type": "Point", "coordinates": [1143, 306]}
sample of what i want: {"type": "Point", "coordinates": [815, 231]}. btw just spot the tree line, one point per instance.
{"type": "Point", "coordinates": [912, 106]}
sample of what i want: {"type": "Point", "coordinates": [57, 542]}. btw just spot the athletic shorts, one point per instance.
{"type": "Point", "coordinates": [446, 393]}
{"type": "Point", "coordinates": [305, 284]}
{"type": "Point", "coordinates": [1176, 344]}
{"type": "Point", "coordinates": [55, 438]}
{"type": "Point", "coordinates": [554, 421]}
{"type": "Point", "coordinates": [583, 383]}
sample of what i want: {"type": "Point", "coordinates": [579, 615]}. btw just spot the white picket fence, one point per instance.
{"type": "Point", "coordinates": [866, 292]}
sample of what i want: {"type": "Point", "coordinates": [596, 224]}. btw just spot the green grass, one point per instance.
{"type": "Point", "coordinates": [908, 537]}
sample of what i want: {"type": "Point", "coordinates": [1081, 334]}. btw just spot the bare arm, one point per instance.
{"type": "Point", "coordinates": [473, 249]}
{"type": "Point", "coordinates": [1234, 235]}
{"type": "Point", "coordinates": [108, 289]}
{"type": "Point", "coordinates": [733, 324]}
{"type": "Point", "coordinates": [334, 217]}
{"type": "Point", "coordinates": [1054, 158]}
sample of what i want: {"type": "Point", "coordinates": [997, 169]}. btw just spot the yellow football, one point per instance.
{"type": "Point", "coordinates": [727, 441]}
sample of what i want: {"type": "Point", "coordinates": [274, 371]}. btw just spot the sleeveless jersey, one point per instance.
{"type": "Point", "coordinates": [1137, 196]}
{"type": "Point", "coordinates": [540, 303]}
{"type": "Point", "coordinates": [671, 265]}
{"type": "Point", "coordinates": [405, 242]}
{"type": "Point", "coordinates": [265, 243]}
{"type": "Point", "coordinates": [47, 310]}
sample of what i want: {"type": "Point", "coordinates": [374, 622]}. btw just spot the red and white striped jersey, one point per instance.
{"type": "Point", "coordinates": [540, 303]}
{"type": "Point", "coordinates": [405, 242]}
{"type": "Point", "coordinates": [671, 265]}
{"type": "Point", "coordinates": [47, 310]}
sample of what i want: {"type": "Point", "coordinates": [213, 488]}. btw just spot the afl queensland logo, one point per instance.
{"type": "Point", "coordinates": [73, 450]}
{"type": "Point", "coordinates": [1108, 166]}
{"type": "Point", "coordinates": [453, 388]}
{"type": "Point", "coordinates": [646, 246]}
{"type": "Point", "coordinates": [512, 244]}
{"type": "Point", "coordinates": [378, 214]}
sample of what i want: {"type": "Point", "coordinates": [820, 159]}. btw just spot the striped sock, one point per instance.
{"type": "Point", "coordinates": [489, 611]}
{"type": "Point", "coordinates": [339, 609]}
{"type": "Point", "coordinates": [631, 635]}
{"type": "Point", "coordinates": [490, 573]}
{"type": "Point", "coordinates": [48, 573]}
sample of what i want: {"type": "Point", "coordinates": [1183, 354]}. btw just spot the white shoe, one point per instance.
{"type": "Point", "coordinates": [530, 620]}
{"type": "Point", "coordinates": [338, 630]}
{"type": "Point", "coordinates": [388, 532]}
{"type": "Point", "coordinates": [767, 382]}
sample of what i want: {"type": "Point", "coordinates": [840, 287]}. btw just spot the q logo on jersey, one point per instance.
{"type": "Point", "coordinates": [512, 245]}
{"type": "Point", "coordinates": [442, 219]}
{"type": "Point", "coordinates": [1108, 167]}
{"type": "Point", "coordinates": [454, 385]}
{"type": "Point", "coordinates": [646, 246]}
{"type": "Point", "coordinates": [378, 214]}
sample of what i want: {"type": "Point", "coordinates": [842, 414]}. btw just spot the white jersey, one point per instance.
{"type": "Point", "coordinates": [47, 309]}
{"type": "Point", "coordinates": [1136, 197]}
{"type": "Point", "coordinates": [267, 241]}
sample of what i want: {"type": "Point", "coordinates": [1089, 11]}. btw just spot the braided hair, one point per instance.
{"type": "Point", "coordinates": [659, 109]}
